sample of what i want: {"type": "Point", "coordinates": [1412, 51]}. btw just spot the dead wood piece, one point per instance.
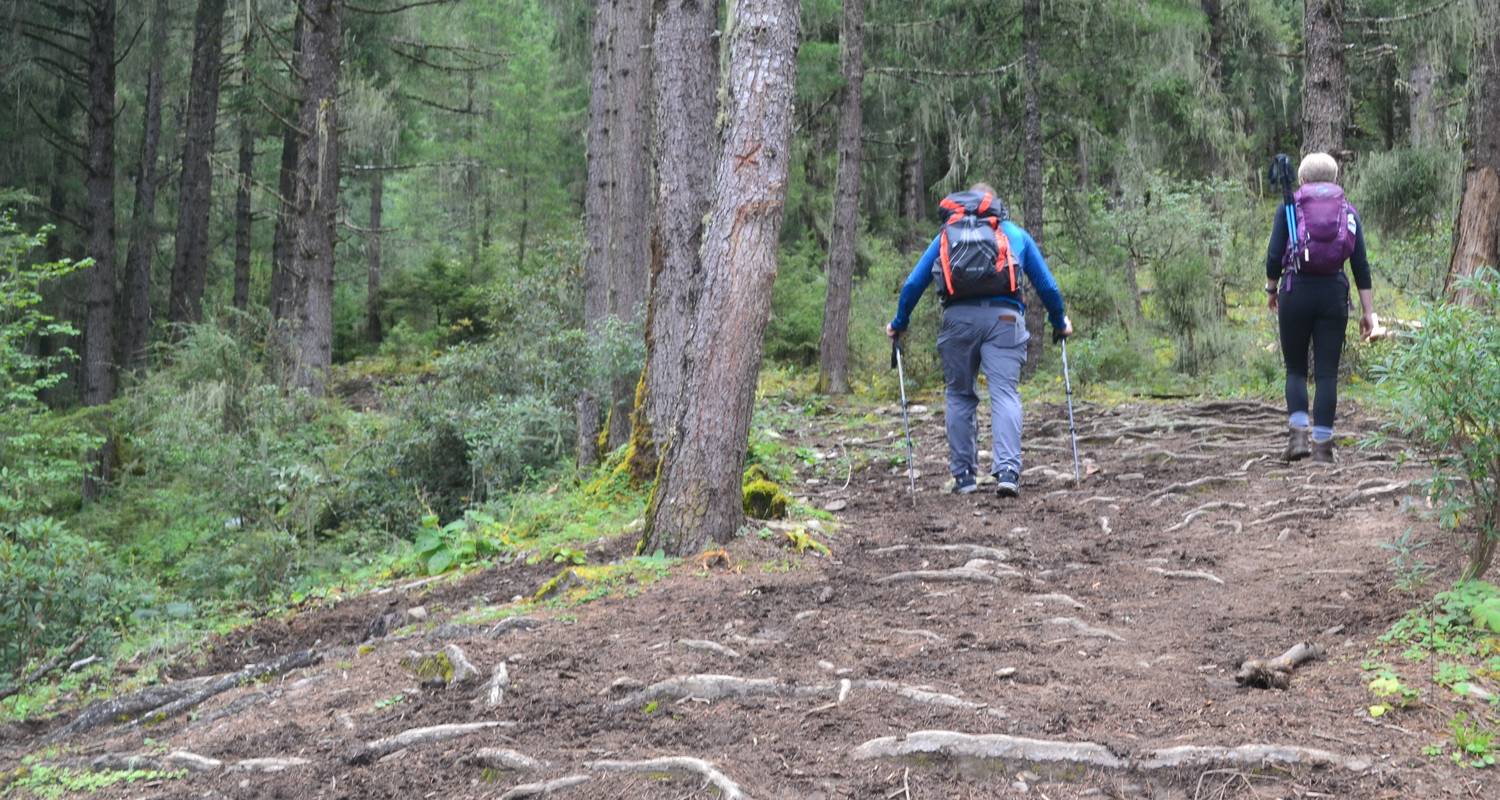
{"type": "Point", "coordinates": [1276, 673]}
{"type": "Point", "coordinates": [989, 746]}
{"type": "Point", "coordinates": [703, 645]}
{"type": "Point", "coordinates": [728, 789]}
{"type": "Point", "coordinates": [1188, 575]}
{"type": "Point", "coordinates": [543, 789]}
{"type": "Point", "coordinates": [1248, 755]}
{"type": "Point", "coordinates": [1215, 505]}
{"type": "Point", "coordinates": [495, 689]}
{"type": "Point", "coordinates": [128, 707]}
{"type": "Point", "coordinates": [420, 736]}
{"type": "Point", "coordinates": [223, 683]}
{"type": "Point", "coordinates": [1373, 492]}
{"type": "Point", "coordinates": [955, 575]}
{"type": "Point", "coordinates": [43, 669]}
{"type": "Point", "coordinates": [973, 550]}
{"type": "Point", "coordinates": [1084, 629]}
{"type": "Point", "coordinates": [267, 764]}
{"type": "Point", "coordinates": [501, 758]}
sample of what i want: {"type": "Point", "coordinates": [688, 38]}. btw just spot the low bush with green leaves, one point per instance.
{"type": "Point", "coordinates": [1444, 384]}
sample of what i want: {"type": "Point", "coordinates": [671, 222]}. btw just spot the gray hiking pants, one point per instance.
{"type": "Point", "coordinates": [991, 337]}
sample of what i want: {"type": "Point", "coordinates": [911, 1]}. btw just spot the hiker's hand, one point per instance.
{"type": "Point", "coordinates": [892, 332]}
{"type": "Point", "coordinates": [1064, 332]}
{"type": "Point", "coordinates": [1368, 324]}
{"type": "Point", "coordinates": [1273, 302]}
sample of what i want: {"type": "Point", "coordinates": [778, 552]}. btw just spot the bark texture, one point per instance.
{"type": "Point", "coordinates": [99, 183]}
{"type": "Point", "coordinates": [1476, 238]}
{"type": "Point", "coordinates": [1422, 82]}
{"type": "Point", "coordinates": [1325, 85]}
{"type": "Point", "coordinates": [286, 188]}
{"type": "Point", "coordinates": [914, 196]}
{"type": "Point", "coordinates": [317, 193]}
{"type": "Point", "coordinates": [685, 78]}
{"type": "Point", "coordinates": [190, 263]}
{"type": "Point", "coordinates": [833, 345]}
{"type": "Point", "coordinates": [698, 497]}
{"type": "Point", "coordinates": [1032, 190]}
{"type": "Point", "coordinates": [245, 177]}
{"type": "Point", "coordinates": [373, 330]}
{"type": "Point", "coordinates": [136, 308]}
{"type": "Point", "coordinates": [595, 212]}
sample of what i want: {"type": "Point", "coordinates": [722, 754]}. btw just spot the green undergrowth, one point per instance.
{"type": "Point", "coordinates": [48, 781]}
{"type": "Point", "coordinates": [1445, 654]}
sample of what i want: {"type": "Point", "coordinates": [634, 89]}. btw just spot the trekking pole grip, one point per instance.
{"type": "Point", "coordinates": [895, 350]}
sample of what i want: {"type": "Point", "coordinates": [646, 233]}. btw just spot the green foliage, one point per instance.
{"type": "Point", "coordinates": [1456, 623]}
{"type": "Point", "coordinates": [463, 541]}
{"type": "Point", "coordinates": [1391, 693]}
{"type": "Point", "coordinates": [49, 782]}
{"type": "Point", "coordinates": [1474, 743]}
{"type": "Point", "coordinates": [1407, 187]}
{"type": "Point", "coordinates": [1445, 386]}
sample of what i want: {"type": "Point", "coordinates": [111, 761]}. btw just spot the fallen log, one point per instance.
{"type": "Point", "coordinates": [1276, 673]}
{"type": "Point", "coordinates": [223, 683]}
{"type": "Point", "coordinates": [42, 670]}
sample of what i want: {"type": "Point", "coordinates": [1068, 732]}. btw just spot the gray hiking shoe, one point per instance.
{"type": "Point", "coordinates": [1296, 445]}
{"type": "Point", "coordinates": [964, 484]}
{"type": "Point", "coordinates": [1322, 452]}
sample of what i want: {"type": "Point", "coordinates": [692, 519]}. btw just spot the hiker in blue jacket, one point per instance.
{"type": "Point", "coordinates": [1309, 293]}
{"type": "Point", "coordinates": [984, 325]}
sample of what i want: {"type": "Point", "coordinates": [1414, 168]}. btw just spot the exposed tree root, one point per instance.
{"type": "Point", "coordinates": [253, 672]}
{"type": "Point", "coordinates": [192, 762]}
{"type": "Point", "coordinates": [267, 764]}
{"type": "Point", "coordinates": [706, 687]}
{"type": "Point", "coordinates": [127, 707]}
{"type": "Point", "coordinates": [419, 736]}
{"type": "Point", "coordinates": [955, 575]}
{"type": "Point", "coordinates": [1249, 755]}
{"type": "Point", "coordinates": [1231, 524]}
{"type": "Point", "coordinates": [972, 550]}
{"type": "Point", "coordinates": [1276, 673]}
{"type": "Point", "coordinates": [543, 789]}
{"type": "Point", "coordinates": [992, 746]}
{"type": "Point", "coordinates": [1215, 505]}
{"type": "Point", "coordinates": [494, 691]}
{"type": "Point", "coordinates": [1373, 492]}
{"type": "Point", "coordinates": [1208, 480]}
{"type": "Point", "coordinates": [500, 758]}
{"type": "Point", "coordinates": [1283, 515]}
{"type": "Point", "coordinates": [1083, 629]}
{"type": "Point", "coordinates": [706, 646]}
{"type": "Point", "coordinates": [513, 624]}
{"type": "Point", "coordinates": [728, 789]}
{"type": "Point", "coordinates": [1061, 599]}
{"type": "Point", "coordinates": [1188, 575]}
{"type": "Point", "coordinates": [920, 633]}
{"type": "Point", "coordinates": [928, 697]}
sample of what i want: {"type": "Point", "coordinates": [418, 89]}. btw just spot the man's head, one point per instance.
{"type": "Point", "coordinates": [1318, 168]}
{"type": "Point", "coordinates": [982, 188]}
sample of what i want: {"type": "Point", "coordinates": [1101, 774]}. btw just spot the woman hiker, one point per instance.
{"type": "Point", "coordinates": [977, 260]}
{"type": "Point", "coordinates": [1309, 293]}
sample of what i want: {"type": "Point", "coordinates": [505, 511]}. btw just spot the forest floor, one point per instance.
{"type": "Point", "coordinates": [1081, 641]}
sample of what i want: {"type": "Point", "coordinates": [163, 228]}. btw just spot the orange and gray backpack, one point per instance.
{"type": "Point", "coordinates": [975, 259]}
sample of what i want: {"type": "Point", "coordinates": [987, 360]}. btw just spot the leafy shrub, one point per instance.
{"type": "Point", "coordinates": [1407, 187]}
{"type": "Point", "coordinates": [1445, 383]}
{"type": "Point", "coordinates": [797, 300]}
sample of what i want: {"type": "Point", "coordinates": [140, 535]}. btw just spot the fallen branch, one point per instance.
{"type": "Point", "coordinates": [127, 707]}
{"type": "Point", "coordinates": [43, 669]}
{"type": "Point", "coordinates": [419, 736]}
{"type": "Point", "coordinates": [1187, 575]}
{"type": "Point", "coordinates": [1276, 673]}
{"type": "Point", "coordinates": [544, 789]}
{"type": "Point", "coordinates": [728, 789]}
{"type": "Point", "coordinates": [252, 672]}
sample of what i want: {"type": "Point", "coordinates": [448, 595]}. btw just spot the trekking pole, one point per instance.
{"type": "Point", "coordinates": [911, 474]}
{"type": "Point", "coordinates": [1072, 430]}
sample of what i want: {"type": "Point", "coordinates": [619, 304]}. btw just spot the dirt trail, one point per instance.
{"type": "Point", "coordinates": [1071, 643]}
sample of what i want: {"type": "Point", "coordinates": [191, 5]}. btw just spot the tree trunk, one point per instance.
{"type": "Point", "coordinates": [1214, 10]}
{"type": "Point", "coordinates": [242, 189]}
{"type": "Point", "coordinates": [190, 264]}
{"type": "Point", "coordinates": [913, 196]}
{"type": "Point", "coordinates": [630, 168]}
{"type": "Point", "coordinates": [1325, 86]}
{"type": "Point", "coordinates": [373, 331]}
{"type": "Point", "coordinates": [317, 193]}
{"type": "Point", "coordinates": [99, 183]}
{"type": "Point", "coordinates": [1476, 239]}
{"type": "Point", "coordinates": [286, 187]}
{"type": "Point", "coordinates": [833, 347]}
{"type": "Point", "coordinates": [1031, 31]}
{"type": "Point", "coordinates": [136, 309]}
{"type": "Point", "coordinates": [596, 210]}
{"type": "Point", "coordinates": [685, 79]}
{"type": "Point", "coordinates": [1424, 124]}
{"type": "Point", "coordinates": [698, 497]}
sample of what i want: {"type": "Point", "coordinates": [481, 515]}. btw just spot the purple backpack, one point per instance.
{"type": "Point", "coordinates": [1326, 228]}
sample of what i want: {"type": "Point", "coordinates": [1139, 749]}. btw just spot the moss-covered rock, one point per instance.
{"type": "Point", "coordinates": [764, 500]}
{"type": "Point", "coordinates": [564, 582]}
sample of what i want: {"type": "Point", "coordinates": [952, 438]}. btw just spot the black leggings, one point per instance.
{"type": "Point", "coordinates": [1315, 312]}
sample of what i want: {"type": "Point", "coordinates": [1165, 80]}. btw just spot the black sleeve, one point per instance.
{"type": "Point", "coordinates": [1278, 245]}
{"type": "Point", "coordinates": [1359, 261]}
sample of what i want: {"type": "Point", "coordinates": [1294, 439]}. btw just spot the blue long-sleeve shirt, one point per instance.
{"type": "Point", "coordinates": [1026, 252]}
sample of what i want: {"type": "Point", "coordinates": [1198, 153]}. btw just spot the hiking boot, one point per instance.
{"type": "Point", "coordinates": [1296, 445]}
{"type": "Point", "coordinates": [1322, 452]}
{"type": "Point", "coordinates": [1007, 484]}
{"type": "Point", "coordinates": [964, 484]}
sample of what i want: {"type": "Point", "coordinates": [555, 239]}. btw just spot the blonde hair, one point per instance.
{"type": "Point", "coordinates": [1318, 168]}
{"type": "Point", "coordinates": [983, 188]}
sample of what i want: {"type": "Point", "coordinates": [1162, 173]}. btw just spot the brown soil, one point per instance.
{"type": "Point", "coordinates": [807, 621]}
